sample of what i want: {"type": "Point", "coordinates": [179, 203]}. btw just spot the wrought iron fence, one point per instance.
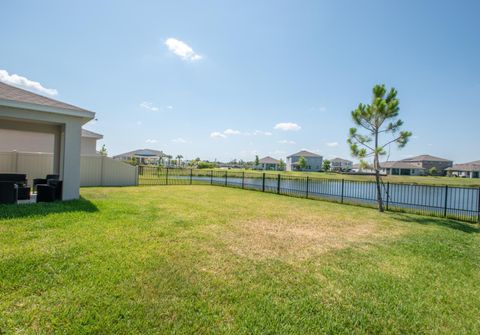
{"type": "Point", "coordinates": [462, 203]}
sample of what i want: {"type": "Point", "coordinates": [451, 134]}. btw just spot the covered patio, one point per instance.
{"type": "Point", "coordinates": [22, 110]}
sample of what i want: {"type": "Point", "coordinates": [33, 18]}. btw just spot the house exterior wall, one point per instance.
{"type": "Point", "coordinates": [402, 172]}
{"type": "Point", "coordinates": [314, 164]}
{"type": "Point", "coordinates": [27, 141]}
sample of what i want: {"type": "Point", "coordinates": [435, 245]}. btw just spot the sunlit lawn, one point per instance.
{"type": "Point", "coordinates": [210, 260]}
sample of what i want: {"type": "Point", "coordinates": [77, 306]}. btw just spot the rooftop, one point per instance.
{"type": "Point", "coordinates": [428, 158]}
{"type": "Point", "coordinates": [471, 166]}
{"type": "Point", "coordinates": [340, 160]}
{"type": "Point", "coordinates": [15, 94]}
{"type": "Point", "coordinates": [400, 165]}
{"type": "Point", "coordinates": [269, 160]}
{"type": "Point", "coordinates": [304, 153]}
{"type": "Point", "coordinates": [91, 134]}
{"type": "Point", "coordinates": [142, 153]}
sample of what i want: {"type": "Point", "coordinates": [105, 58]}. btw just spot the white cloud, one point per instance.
{"type": "Point", "coordinates": [260, 132]}
{"type": "Point", "coordinates": [170, 107]}
{"type": "Point", "coordinates": [149, 106]}
{"type": "Point", "coordinates": [287, 126]}
{"type": "Point", "coordinates": [182, 49]}
{"type": "Point", "coordinates": [151, 141]}
{"type": "Point", "coordinates": [139, 123]}
{"type": "Point", "coordinates": [332, 144]}
{"type": "Point", "coordinates": [17, 80]}
{"type": "Point", "coordinates": [179, 140]}
{"type": "Point", "coordinates": [217, 135]}
{"type": "Point", "coordinates": [286, 142]}
{"type": "Point", "coordinates": [232, 132]}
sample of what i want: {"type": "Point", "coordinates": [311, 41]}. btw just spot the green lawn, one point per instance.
{"type": "Point", "coordinates": [213, 260]}
{"type": "Point", "coordinates": [423, 180]}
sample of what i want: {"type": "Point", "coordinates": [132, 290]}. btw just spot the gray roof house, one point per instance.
{"type": "Point", "coordinates": [314, 161]}
{"type": "Point", "coordinates": [142, 156]}
{"type": "Point", "coordinates": [401, 168]}
{"type": "Point", "coordinates": [465, 170]}
{"type": "Point", "coordinates": [269, 163]}
{"type": "Point", "coordinates": [427, 162]}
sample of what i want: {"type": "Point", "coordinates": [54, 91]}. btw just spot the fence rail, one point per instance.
{"type": "Point", "coordinates": [460, 203]}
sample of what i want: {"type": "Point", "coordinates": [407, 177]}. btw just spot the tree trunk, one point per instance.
{"type": "Point", "coordinates": [376, 165]}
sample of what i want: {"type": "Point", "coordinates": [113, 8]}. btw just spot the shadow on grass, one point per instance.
{"type": "Point", "coordinates": [42, 209]}
{"type": "Point", "coordinates": [469, 228]}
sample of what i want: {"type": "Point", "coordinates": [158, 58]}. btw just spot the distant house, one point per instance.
{"type": "Point", "coordinates": [269, 163]}
{"type": "Point", "coordinates": [465, 170]}
{"type": "Point", "coordinates": [401, 168]}
{"type": "Point", "coordinates": [340, 164]}
{"type": "Point", "coordinates": [314, 161]}
{"type": "Point", "coordinates": [427, 162]}
{"type": "Point", "coordinates": [416, 166]}
{"type": "Point", "coordinates": [29, 141]}
{"type": "Point", "coordinates": [144, 157]}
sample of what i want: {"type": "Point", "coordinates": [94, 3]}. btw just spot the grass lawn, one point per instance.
{"type": "Point", "coordinates": [423, 180]}
{"type": "Point", "coordinates": [213, 260]}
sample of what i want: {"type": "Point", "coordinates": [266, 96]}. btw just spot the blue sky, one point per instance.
{"type": "Point", "coordinates": [246, 66]}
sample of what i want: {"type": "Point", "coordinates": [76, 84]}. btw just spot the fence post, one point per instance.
{"type": "Point", "coordinates": [211, 177]}
{"type": "Point", "coordinates": [478, 208]}
{"type": "Point", "coordinates": [278, 184]}
{"type": "Point", "coordinates": [343, 188]}
{"type": "Point", "coordinates": [243, 179]}
{"type": "Point", "coordinates": [306, 191]}
{"type": "Point", "coordinates": [388, 194]}
{"type": "Point", "coordinates": [166, 177]}
{"type": "Point", "coordinates": [226, 178]}
{"type": "Point", "coordinates": [263, 182]}
{"type": "Point", "coordinates": [446, 201]}
{"type": "Point", "coordinates": [191, 176]}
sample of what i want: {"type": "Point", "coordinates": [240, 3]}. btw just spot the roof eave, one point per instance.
{"type": "Point", "coordinates": [83, 114]}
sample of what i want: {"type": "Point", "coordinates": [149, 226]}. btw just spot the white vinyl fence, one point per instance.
{"type": "Point", "coordinates": [94, 170]}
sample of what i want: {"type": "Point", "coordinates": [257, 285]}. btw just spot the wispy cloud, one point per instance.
{"type": "Point", "coordinates": [232, 132]}
{"type": "Point", "coordinates": [179, 140]}
{"type": "Point", "coordinates": [217, 135]}
{"type": "Point", "coordinates": [182, 49]}
{"type": "Point", "coordinates": [149, 106]}
{"type": "Point", "coordinates": [332, 144]}
{"type": "Point", "coordinates": [260, 132]}
{"type": "Point", "coordinates": [15, 79]}
{"type": "Point", "coordinates": [139, 123]}
{"type": "Point", "coordinates": [287, 126]}
{"type": "Point", "coordinates": [236, 132]}
{"type": "Point", "coordinates": [151, 141]}
{"type": "Point", "coordinates": [286, 142]}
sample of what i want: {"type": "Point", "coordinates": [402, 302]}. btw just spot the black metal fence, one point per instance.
{"type": "Point", "coordinates": [460, 203]}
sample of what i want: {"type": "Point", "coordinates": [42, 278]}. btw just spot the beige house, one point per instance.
{"type": "Point", "coordinates": [465, 170]}
{"type": "Point", "coordinates": [268, 163]}
{"type": "Point", "coordinates": [23, 141]}
{"type": "Point", "coordinates": [24, 111]}
{"type": "Point", "coordinates": [416, 166]}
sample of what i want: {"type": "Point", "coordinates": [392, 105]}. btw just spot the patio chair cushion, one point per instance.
{"type": "Point", "coordinates": [17, 178]}
{"type": "Point", "coordinates": [38, 181]}
{"type": "Point", "coordinates": [8, 192]}
{"type": "Point", "coordinates": [45, 193]}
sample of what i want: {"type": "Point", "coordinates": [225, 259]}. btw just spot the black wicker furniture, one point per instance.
{"type": "Point", "coordinates": [19, 179]}
{"type": "Point", "coordinates": [8, 192]}
{"type": "Point", "coordinates": [50, 191]}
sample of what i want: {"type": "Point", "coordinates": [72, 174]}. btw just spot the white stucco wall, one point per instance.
{"type": "Point", "coordinates": [39, 142]}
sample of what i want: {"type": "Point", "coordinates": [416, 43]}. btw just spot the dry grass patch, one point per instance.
{"type": "Point", "coordinates": [296, 238]}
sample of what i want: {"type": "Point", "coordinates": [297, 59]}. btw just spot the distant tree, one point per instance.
{"type": "Point", "coordinates": [302, 163]}
{"type": "Point", "coordinates": [103, 151]}
{"type": "Point", "coordinates": [372, 118]}
{"type": "Point", "coordinates": [433, 171]}
{"type": "Point", "coordinates": [326, 165]}
{"type": "Point", "coordinates": [179, 160]}
{"type": "Point", "coordinates": [257, 161]}
{"type": "Point", "coordinates": [281, 165]}
{"type": "Point", "coordinates": [169, 159]}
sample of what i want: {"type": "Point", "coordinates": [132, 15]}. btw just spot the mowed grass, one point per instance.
{"type": "Point", "coordinates": [214, 260]}
{"type": "Point", "coordinates": [420, 180]}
